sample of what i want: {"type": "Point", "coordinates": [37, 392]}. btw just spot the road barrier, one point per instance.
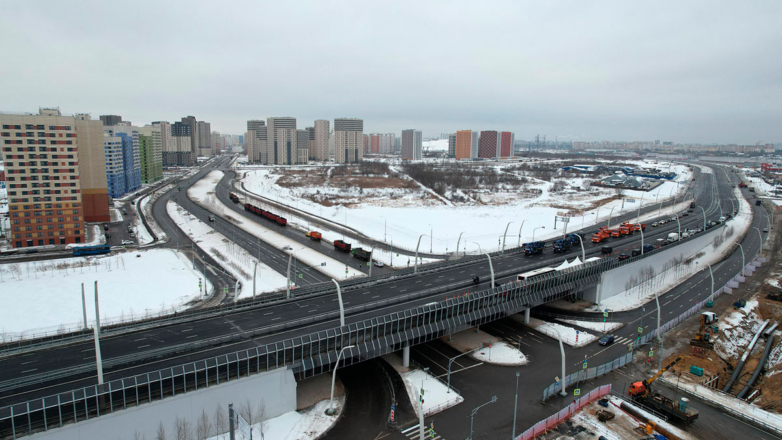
{"type": "Point", "coordinates": [553, 421]}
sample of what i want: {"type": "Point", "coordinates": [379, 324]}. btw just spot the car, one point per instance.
{"type": "Point", "coordinates": [654, 225]}
{"type": "Point", "coordinates": [607, 340]}
{"type": "Point", "coordinates": [607, 250]}
{"type": "Point", "coordinates": [377, 263]}
{"type": "Point", "coordinates": [124, 212]}
{"type": "Point", "coordinates": [105, 226]}
{"type": "Point", "coordinates": [636, 252]}
{"type": "Point", "coordinates": [126, 242]}
{"type": "Point", "coordinates": [132, 235]}
{"type": "Point", "coordinates": [623, 256]}
{"type": "Point", "coordinates": [757, 202]}
{"type": "Point", "coordinates": [686, 215]}
{"type": "Point", "coordinates": [765, 229]}
{"type": "Point", "coordinates": [690, 210]}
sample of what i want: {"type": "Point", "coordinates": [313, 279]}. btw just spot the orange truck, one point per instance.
{"type": "Point", "coordinates": [625, 230]}
{"type": "Point", "coordinates": [600, 236]}
{"type": "Point", "coordinates": [314, 235]}
{"type": "Point", "coordinates": [639, 227]}
{"type": "Point", "coordinates": [615, 233]}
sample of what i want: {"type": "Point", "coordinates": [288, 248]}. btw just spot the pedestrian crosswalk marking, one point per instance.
{"type": "Point", "coordinates": [623, 340]}
{"type": "Point", "coordinates": [413, 432]}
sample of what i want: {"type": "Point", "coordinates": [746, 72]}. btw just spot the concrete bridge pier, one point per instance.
{"type": "Point", "coordinates": [526, 316]}
{"type": "Point", "coordinates": [406, 356]}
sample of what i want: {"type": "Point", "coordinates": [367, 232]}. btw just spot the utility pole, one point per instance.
{"type": "Point", "coordinates": [98, 357]}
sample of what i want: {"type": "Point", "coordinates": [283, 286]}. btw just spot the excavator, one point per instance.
{"type": "Point", "coordinates": [641, 391]}
{"type": "Point", "coordinates": [703, 337]}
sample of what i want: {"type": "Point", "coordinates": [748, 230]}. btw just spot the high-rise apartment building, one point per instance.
{"type": "Point", "coordinates": [387, 143]}
{"type": "Point", "coordinates": [216, 144]}
{"type": "Point", "coordinates": [56, 176]}
{"type": "Point", "coordinates": [255, 141]}
{"type": "Point", "coordinates": [464, 139]}
{"type": "Point", "coordinates": [374, 143]}
{"type": "Point", "coordinates": [348, 140]}
{"type": "Point", "coordinates": [506, 144]}
{"type": "Point", "coordinates": [109, 120]}
{"type": "Point", "coordinates": [180, 149]}
{"type": "Point", "coordinates": [150, 154]}
{"type": "Point", "coordinates": [192, 122]}
{"type": "Point", "coordinates": [204, 139]}
{"type": "Point", "coordinates": [131, 155]}
{"type": "Point", "coordinates": [115, 171]}
{"type": "Point", "coordinates": [489, 144]}
{"type": "Point", "coordinates": [321, 149]}
{"type": "Point", "coordinates": [281, 141]}
{"type": "Point", "coordinates": [166, 143]}
{"type": "Point", "coordinates": [302, 146]}
{"type": "Point", "coordinates": [412, 145]}
{"type": "Point", "coordinates": [452, 145]}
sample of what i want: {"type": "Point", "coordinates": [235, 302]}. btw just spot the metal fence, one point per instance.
{"type": "Point", "coordinates": [588, 373]}
{"type": "Point", "coordinates": [551, 422]}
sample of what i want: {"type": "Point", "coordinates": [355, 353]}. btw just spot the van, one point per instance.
{"type": "Point", "coordinates": [607, 250]}
{"type": "Point", "coordinates": [636, 252]}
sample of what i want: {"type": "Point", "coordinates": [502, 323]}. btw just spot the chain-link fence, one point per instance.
{"type": "Point", "coordinates": [551, 422]}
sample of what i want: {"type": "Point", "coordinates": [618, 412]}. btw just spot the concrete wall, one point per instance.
{"type": "Point", "coordinates": [614, 281]}
{"type": "Point", "coordinates": [277, 389]}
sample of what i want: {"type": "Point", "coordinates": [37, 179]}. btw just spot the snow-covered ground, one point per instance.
{"type": "Point", "coordinates": [483, 223]}
{"type": "Point", "coordinates": [45, 296]}
{"type": "Point", "coordinates": [551, 329]}
{"type": "Point", "coordinates": [622, 426]}
{"type": "Point", "coordinates": [143, 236]}
{"type": "Point", "coordinates": [202, 193]}
{"type": "Point", "coordinates": [436, 145]}
{"type": "Point", "coordinates": [94, 237]}
{"type": "Point", "coordinates": [115, 215]}
{"type": "Point", "coordinates": [737, 329]}
{"type": "Point", "coordinates": [600, 327]}
{"type": "Point", "coordinates": [494, 351]}
{"type": "Point", "coordinates": [145, 205]}
{"type": "Point", "coordinates": [235, 259]}
{"type": "Point", "coordinates": [307, 424]}
{"type": "Point", "coordinates": [436, 395]}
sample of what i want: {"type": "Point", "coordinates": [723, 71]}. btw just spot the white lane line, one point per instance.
{"type": "Point", "coordinates": [191, 336]}
{"type": "Point", "coordinates": [142, 346]}
{"type": "Point", "coordinates": [274, 319]}
{"type": "Point", "coordinates": [141, 339]}
{"type": "Point", "coordinates": [29, 371]}
{"type": "Point", "coordinates": [271, 313]}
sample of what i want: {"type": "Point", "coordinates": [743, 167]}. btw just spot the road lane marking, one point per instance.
{"type": "Point", "coordinates": [142, 346]}
{"type": "Point", "coordinates": [29, 371]}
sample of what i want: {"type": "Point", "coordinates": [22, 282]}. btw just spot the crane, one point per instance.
{"type": "Point", "coordinates": [642, 388]}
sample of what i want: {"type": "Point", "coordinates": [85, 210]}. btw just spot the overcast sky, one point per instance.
{"type": "Point", "coordinates": [687, 71]}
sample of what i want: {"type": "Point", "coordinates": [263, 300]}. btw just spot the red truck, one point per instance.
{"type": "Point", "coordinates": [314, 235]}
{"type": "Point", "coordinates": [341, 246]}
{"type": "Point", "coordinates": [234, 198]}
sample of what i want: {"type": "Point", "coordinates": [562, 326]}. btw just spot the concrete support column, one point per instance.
{"type": "Point", "coordinates": [406, 356]}
{"type": "Point", "coordinates": [526, 316]}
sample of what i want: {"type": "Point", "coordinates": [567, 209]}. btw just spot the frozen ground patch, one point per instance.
{"type": "Point", "coordinates": [436, 395]}
{"type": "Point", "coordinates": [235, 259]}
{"type": "Point", "coordinates": [494, 351]}
{"type": "Point", "coordinates": [570, 336]}
{"type": "Point", "coordinates": [45, 296]}
{"type": "Point", "coordinates": [600, 327]}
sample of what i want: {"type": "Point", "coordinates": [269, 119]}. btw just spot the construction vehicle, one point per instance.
{"type": "Point", "coordinates": [742, 184]}
{"type": "Point", "coordinates": [234, 198]}
{"type": "Point", "coordinates": [314, 235]}
{"type": "Point", "coordinates": [341, 246]}
{"type": "Point", "coordinates": [600, 236]}
{"type": "Point", "coordinates": [638, 226]}
{"type": "Point", "coordinates": [776, 296]}
{"type": "Point", "coordinates": [615, 233]}
{"type": "Point", "coordinates": [703, 337]}
{"type": "Point", "coordinates": [641, 392]}
{"type": "Point", "coordinates": [625, 230]}
{"type": "Point", "coordinates": [562, 245]}
{"type": "Point", "coordinates": [534, 248]}
{"type": "Point", "coordinates": [362, 254]}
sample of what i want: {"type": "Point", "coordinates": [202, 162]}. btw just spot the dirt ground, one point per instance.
{"type": "Point", "coordinates": [677, 341]}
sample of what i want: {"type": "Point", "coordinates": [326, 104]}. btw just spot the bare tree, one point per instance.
{"type": "Point", "coordinates": [138, 436]}
{"type": "Point", "coordinates": [220, 420]}
{"type": "Point", "coordinates": [183, 429]}
{"type": "Point", "coordinates": [262, 416]}
{"type": "Point", "coordinates": [204, 429]}
{"type": "Point", "coordinates": [161, 432]}
{"type": "Point", "coordinates": [248, 412]}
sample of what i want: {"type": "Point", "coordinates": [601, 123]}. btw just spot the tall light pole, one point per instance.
{"type": "Point", "coordinates": [535, 229]}
{"type": "Point", "coordinates": [520, 227]}
{"type": "Point", "coordinates": [640, 203]}
{"type": "Point", "coordinates": [583, 253]}
{"type": "Point", "coordinates": [341, 306]}
{"type": "Point", "coordinates": [515, 405]}
{"type": "Point", "coordinates": [743, 265]}
{"type": "Point", "coordinates": [608, 225]}
{"type": "Point", "coordinates": [255, 270]}
{"type": "Point", "coordinates": [704, 217]}
{"type": "Point", "coordinates": [479, 246]}
{"type": "Point", "coordinates": [711, 274]}
{"type": "Point", "coordinates": [457, 244]}
{"type": "Point", "coordinates": [562, 393]}
{"type": "Point", "coordinates": [431, 238]}
{"type": "Point", "coordinates": [760, 237]}
{"type": "Point", "coordinates": [450, 361]}
{"type": "Point", "coordinates": [330, 411]}
{"type": "Point", "coordinates": [371, 263]}
{"type": "Point", "coordinates": [642, 240]}
{"type": "Point", "coordinates": [415, 268]}
{"type": "Point", "coordinates": [474, 411]}
{"type": "Point", "coordinates": [503, 237]}
{"type": "Point", "coordinates": [491, 269]}
{"type": "Point", "coordinates": [678, 223]}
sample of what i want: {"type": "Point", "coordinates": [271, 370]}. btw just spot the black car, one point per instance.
{"type": "Point", "coordinates": [623, 256]}
{"type": "Point", "coordinates": [607, 340]}
{"type": "Point", "coordinates": [636, 252]}
{"type": "Point", "coordinates": [757, 202]}
{"type": "Point", "coordinates": [607, 250]}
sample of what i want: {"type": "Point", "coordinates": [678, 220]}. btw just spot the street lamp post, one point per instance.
{"type": "Point", "coordinates": [535, 229]}
{"type": "Point", "coordinates": [431, 238]}
{"type": "Point", "coordinates": [450, 361]}
{"type": "Point", "coordinates": [520, 227]}
{"type": "Point", "coordinates": [475, 411]}
{"type": "Point", "coordinates": [372, 251]}
{"type": "Point", "coordinates": [743, 265]}
{"type": "Point", "coordinates": [640, 203]}
{"type": "Point", "coordinates": [457, 244]}
{"type": "Point", "coordinates": [341, 306]}
{"type": "Point", "coordinates": [760, 244]}
{"type": "Point", "coordinates": [415, 268]}
{"type": "Point", "coordinates": [503, 237]}
{"type": "Point", "coordinates": [642, 240]}
{"type": "Point", "coordinates": [479, 246]}
{"type": "Point", "coordinates": [583, 252]}
{"type": "Point", "coordinates": [333, 379]}
{"type": "Point", "coordinates": [491, 269]}
{"type": "Point", "coordinates": [679, 224]}
{"type": "Point", "coordinates": [515, 405]}
{"type": "Point", "coordinates": [704, 217]}
{"type": "Point", "coordinates": [659, 333]}
{"type": "Point", "coordinates": [562, 393]}
{"type": "Point", "coordinates": [608, 225]}
{"type": "Point", "coordinates": [711, 274]}
{"type": "Point", "coordinates": [255, 270]}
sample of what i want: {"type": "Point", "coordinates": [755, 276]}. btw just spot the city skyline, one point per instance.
{"type": "Point", "coordinates": [704, 73]}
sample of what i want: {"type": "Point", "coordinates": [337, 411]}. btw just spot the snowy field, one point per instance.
{"type": "Point", "coordinates": [45, 296]}
{"type": "Point", "coordinates": [436, 395]}
{"type": "Point", "coordinates": [308, 424]}
{"type": "Point", "coordinates": [143, 236]}
{"type": "Point", "coordinates": [384, 213]}
{"type": "Point", "coordinates": [202, 193]}
{"type": "Point", "coordinates": [551, 329]}
{"type": "Point", "coordinates": [237, 261]}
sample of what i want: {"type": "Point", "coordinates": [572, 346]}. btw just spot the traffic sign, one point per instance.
{"type": "Point", "coordinates": [556, 379]}
{"type": "Point", "coordinates": [584, 366]}
{"type": "Point", "coordinates": [640, 329]}
{"type": "Point", "coordinates": [605, 314]}
{"type": "Point", "coordinates": [577, 392]}
{"type": "Point", "coordinates": [630, 347]}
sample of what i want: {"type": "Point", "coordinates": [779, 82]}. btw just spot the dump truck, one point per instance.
{"type": "Point", "coordinates": [600, 236]}
{"type": "Point", "coordinates": [234, 198]}
{"type": "Point", "coordinates": [533, 248]}
{"type": "Point", "coordinates": [341, 246]}
{"type": "Point", "coordinates": [615, 233]}
{"type": "Point", "coordinates": [314, 235]}
{"type": "Point", "coordinates": [562, 245]}
{"type": "Point", "coordinates": [641, 391]}
{"type": "Point", "coordinates": [361, 254]}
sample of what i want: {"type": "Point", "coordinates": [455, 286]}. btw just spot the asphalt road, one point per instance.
{"type": "Point", "coordinates": [66, 357]}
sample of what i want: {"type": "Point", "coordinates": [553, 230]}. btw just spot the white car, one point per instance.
{"type": "Point", "coordinates": [654, 225]}
{"type": "Point", "coordinates": [126, 242]}
{"type": "Point", "coordinates": [377, 263]}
